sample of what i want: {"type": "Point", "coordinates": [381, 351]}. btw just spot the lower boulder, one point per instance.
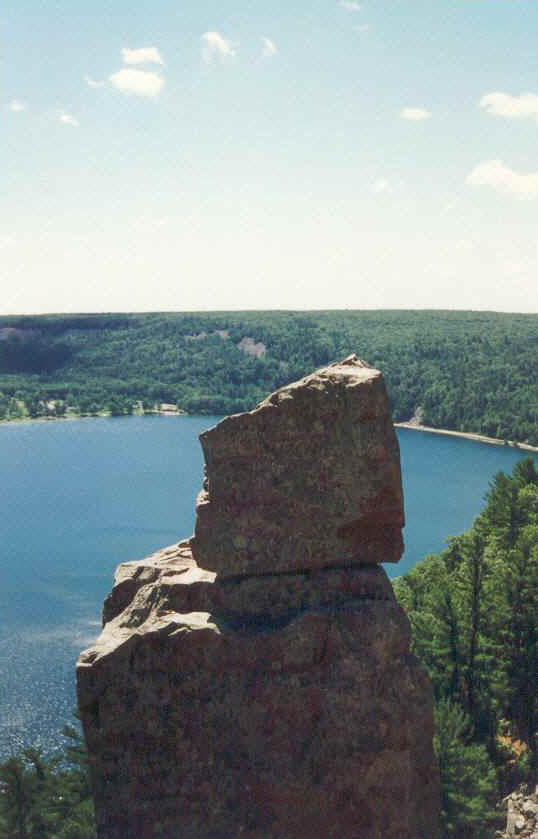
{"type": "Point", "coordinates": [283, 707]}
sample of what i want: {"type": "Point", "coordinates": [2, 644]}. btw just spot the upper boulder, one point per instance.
{"type": "Point", "coordinates": [309, 479]}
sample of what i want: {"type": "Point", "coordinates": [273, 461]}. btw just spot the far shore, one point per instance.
{"type": "Point", "coordinates": [412, 426]}
{"type": "Point", "coordinates": [100, 415]}
{"type": "Point", "coordinates": [477, 438]}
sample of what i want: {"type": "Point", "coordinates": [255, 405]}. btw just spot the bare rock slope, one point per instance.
{"type": "Point", "coordinates": [271, 696]}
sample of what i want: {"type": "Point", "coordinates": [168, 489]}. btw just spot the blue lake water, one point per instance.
{"type": "Point", "coordinates": [77, 498]}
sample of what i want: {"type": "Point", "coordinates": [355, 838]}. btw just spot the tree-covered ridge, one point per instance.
{"type": "Point", "coordinates": [467, 371]}
{"type": "Point", "coordinates": [473, 612]}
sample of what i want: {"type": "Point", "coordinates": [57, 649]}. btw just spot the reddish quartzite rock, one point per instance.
{"type": "Point", "coordinates": [308, 479]}
{"type": "Point", "coordinates": [276, 699]}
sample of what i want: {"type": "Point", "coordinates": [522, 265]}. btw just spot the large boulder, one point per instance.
{"type": "Point", "coordinates": [308, 479]}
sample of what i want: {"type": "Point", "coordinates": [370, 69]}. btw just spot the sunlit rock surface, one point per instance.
{"type": "Point", "coordinates": [271, 696]}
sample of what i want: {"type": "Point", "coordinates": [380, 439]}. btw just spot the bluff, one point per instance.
{"type": "Point", "coordinates": [255, 681]}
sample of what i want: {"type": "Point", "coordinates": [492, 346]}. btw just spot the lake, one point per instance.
{"type": "Point", "coordinates": [79, 497]}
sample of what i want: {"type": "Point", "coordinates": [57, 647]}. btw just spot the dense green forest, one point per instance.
{"type": "Point", "coordinates": [467, 371]}
{"type": "Point", "coordinates": [473, 613]}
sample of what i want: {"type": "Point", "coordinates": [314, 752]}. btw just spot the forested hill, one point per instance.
{"type": "Point", "coordinates": [467, 371]}
{"type": "Point", "coordinates": [473, 612]}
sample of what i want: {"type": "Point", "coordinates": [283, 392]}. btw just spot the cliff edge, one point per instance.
{"type": "Point", "coordinates": [255, 681]}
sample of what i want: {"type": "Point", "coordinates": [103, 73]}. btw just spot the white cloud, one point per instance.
{"type": "Point", "coordinates": [363, 28]}
{"type": "Point", "coordinates": [6, 242]}
{"type": "Point", "coordinates": [143, 55]}
{"type": "Point", "coordinates": [67, 119]}
{"type": "Point", "coordinates": [139, 82]}
{"type": "Point", "coordinates": [16, 106]}
{"type": "Point", "coordinates": [415, 114]}
{"type": "Point", "coordinates": [350, 6]}
{"type": "Point", "coordinates": [512, 107]}
{"type": "Point", "coordinates": [495, 174]}
{"type": "Point", "coordinates": [381, 185]}
{"type": "Point", "coordinates": [269, 48]}
{"type": "Point", "coordinates": [464, 244]}
{"type": "Point", "coordinates": [216, 47]}
{"type": "Point", "coordinates": [93, 83]}
{"type": "Point", "coordinates": [514, 268]}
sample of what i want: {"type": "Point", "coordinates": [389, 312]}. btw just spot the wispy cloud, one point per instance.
{"type": "Point", "coordinates": [6, 242]}
{"type": "Point", "coordinates": [511, 107]}
{"type": "Point", "coordinates": [350, 6]}
{"type": "Point", "coordinates": [67, 119]}
{"type": "Point", "coordinates": [495, 174]}
{"type": "Point", "coordinates": [363, 28]}
{"type": "Point", "coordinates": [139, 82]}
{"type": "Point", "coordinates": [269, 48]}
{"type": "Point", "coordinates": [415, 114]}
{"type": "Point", "coordinates": [142, 55]}
{"type": "Point", "coordinates": [215, 46]}
{"type": "Point", "coordinates": [16, 106]}
{"type": "Point", "coordinates": [92, 83]}
{"type": "Point", "coordinates": [381, 185]}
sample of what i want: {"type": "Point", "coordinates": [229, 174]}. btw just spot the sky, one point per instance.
{"type": "Point", "coordinates": [174, 155]}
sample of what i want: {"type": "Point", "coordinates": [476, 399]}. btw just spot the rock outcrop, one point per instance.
{"type": "Point", "coordinates": [255, 681]}
{"type": "Point", "coordinates": [522, 815]}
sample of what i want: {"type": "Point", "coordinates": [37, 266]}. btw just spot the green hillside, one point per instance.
{"type": "Point", "coordinates": [473, 612]}
{"type": "Point", "coordinates": [468, 371]}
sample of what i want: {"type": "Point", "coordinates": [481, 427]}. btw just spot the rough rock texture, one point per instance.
{"type": "Point", "coordinates": [308, 479]}
{"type": "Point", "coordinates": [522, 816]}
{"type": "Point", "coordinates": [273, 696]}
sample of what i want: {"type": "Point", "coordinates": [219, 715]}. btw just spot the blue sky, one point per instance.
{"type": "Point", "coordinates": [326, 154]}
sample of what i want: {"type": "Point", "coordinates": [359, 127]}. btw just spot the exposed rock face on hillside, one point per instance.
{"type": "Point", "coordinates": [273, 694]}
{"type": "Point", "coordinates": [522, 815]}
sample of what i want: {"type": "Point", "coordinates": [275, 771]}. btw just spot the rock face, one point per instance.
{"type": "Point", "coordinates": [522, 815]}
{"type": "Point", "coordinates": [271, 696]}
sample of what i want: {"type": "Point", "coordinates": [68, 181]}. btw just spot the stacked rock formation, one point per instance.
{"type": "Point", "coordinates": [255, 681]}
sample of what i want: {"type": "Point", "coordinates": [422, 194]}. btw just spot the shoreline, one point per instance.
{"type": "Point", "coordinates": [69, 417]}
{"type": "Point", "coordinates": [468, 435]}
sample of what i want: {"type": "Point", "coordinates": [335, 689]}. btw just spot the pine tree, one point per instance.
{"type": "Point", "coordinates": [473, 612]}
{"type": "Point", "coordinates": [468, 781]}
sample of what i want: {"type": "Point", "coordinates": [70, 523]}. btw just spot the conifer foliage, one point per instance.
{"type": "Point", "coordinates": [47, 798]}
{"type": "Point", "coordinates": [473, 614]}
